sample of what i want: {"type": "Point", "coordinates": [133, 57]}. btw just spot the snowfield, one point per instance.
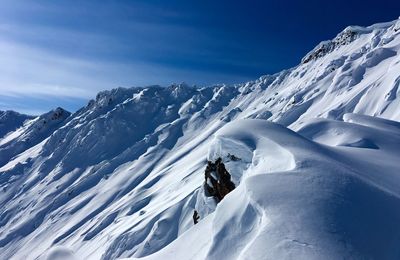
{"type": "Point", "coordinates": [313, 151]}
{"type": "Point", "coordinates": [305, 201]}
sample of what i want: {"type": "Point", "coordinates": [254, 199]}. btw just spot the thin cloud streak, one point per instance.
{"type": "Point", "coordinates": [35, 80]}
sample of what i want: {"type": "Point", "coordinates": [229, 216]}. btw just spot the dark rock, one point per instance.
{"type": "Point", "coordinates": [196, 217]}
{"type": "Point", "coordinates": [217, 181]}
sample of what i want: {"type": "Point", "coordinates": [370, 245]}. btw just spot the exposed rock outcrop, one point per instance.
{"type": "Point", "coordinates": [343, 38]}
{"type": "Point", "coordinates": [217, 181]}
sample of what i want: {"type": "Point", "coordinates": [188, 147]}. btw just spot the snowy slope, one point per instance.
{"type": "Point", "coordinates": [31, 133]}
{"type": "Point", "coordinates": [122, 176]}
{"type": "Point", "coordinates": [299, 199]}
{"type": "Point", "coordinates": [10, 121]}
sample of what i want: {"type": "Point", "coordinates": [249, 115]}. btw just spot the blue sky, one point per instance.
{"type": "Point", "coordinates": [61, 53]}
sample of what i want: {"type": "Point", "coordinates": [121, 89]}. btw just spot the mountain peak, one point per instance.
{"type": "Point", "coordinates": [11, 120]}
{"type": "Point", "coordinates": [347, 36]}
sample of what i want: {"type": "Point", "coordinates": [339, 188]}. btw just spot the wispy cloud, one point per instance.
{"type": "Point", "coordinates": [70, 51]}
{"type": "Point", "coordinates": [32, 77]}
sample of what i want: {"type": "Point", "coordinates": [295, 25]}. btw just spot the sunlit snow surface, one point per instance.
{"type": "Point", "coordinates": [318, 175]}
{"type": "Point", "coordinates": [328, 203]}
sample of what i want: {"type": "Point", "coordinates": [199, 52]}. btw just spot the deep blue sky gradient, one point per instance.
{"type": "Point", "coordinates": [63, 52]}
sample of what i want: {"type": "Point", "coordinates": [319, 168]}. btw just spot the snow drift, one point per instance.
{"type": "Point", "coordinates": [301, 199]}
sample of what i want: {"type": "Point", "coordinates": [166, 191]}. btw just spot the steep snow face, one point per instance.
{"type": "Point", "coordinates": [122, 176]}
{"type": "Point", "coordinates": [31, 133]}
{"type": "Point", "coordinates": [10, 121]}
{"type": "Point", "coordinates": [358, 75]}
{"type": "Point", "coordinates": [324, 202]}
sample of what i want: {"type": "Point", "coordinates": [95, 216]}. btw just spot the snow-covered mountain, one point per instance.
{"type": "Point", "coordinates": [313, 152]}
{"type": "Point", "coordinates": [10, 121]}
{"type": "Point", "coordinates": [33, 132]}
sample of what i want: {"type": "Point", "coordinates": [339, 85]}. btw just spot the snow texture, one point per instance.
{"type": "Point", "coordinates": [313, 152]}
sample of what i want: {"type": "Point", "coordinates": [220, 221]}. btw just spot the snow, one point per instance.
{"type": "Point", "coordinates": [313, 152]}
{"type": "Point", "coordinates": [10, 121]}
{"type": "Point", "coordinates": [31, 133]}
{"type": "Point", "coordinates": [60, 253]}
{"type": "Point", "coordinates": [318, 207]}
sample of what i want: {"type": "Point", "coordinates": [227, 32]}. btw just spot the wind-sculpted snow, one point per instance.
{"type": "Point", "coordinates": [327, 203]}
{"type": "Point", "coordinates": [122, 176]}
